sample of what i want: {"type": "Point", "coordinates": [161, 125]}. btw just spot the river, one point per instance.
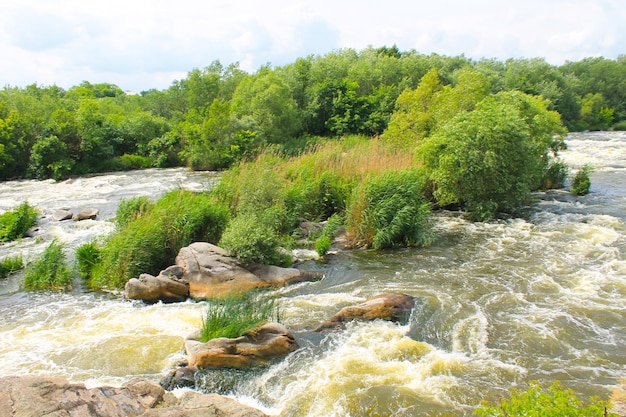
{"type": "Point", "coordinates": [538, 297]}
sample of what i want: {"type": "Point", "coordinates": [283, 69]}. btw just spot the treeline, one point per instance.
{"type": "Point", "coordinates": [219, 115]}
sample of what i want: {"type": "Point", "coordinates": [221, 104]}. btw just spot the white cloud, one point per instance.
{"type": "Point", "coordinates": [142, 44]}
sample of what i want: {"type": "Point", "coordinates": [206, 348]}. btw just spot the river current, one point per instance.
{"type": "Point", "coordinates": [540, 296]}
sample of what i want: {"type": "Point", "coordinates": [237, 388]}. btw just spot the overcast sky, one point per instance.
{"type": "Point", "coordinates": [143, 44]}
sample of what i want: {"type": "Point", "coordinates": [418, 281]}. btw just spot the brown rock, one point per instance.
{"type": "Point", "coordinates": [212, 273]}
{"type": "Point", "coordinates": [387, 306]}
{"type": "Point", "coordinates": [618, 399]}
{"type": "Point", "coordinates": [165, 287]}
{"type": "Point", "coordinates": [255, 348]}
{"type": "Point", "coordinates": [87, 214]}
{"type": "Point", "coordinates": [193, 404]}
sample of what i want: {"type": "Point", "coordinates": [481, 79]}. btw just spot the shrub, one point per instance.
{"type": "Point", "coordinates": [131, 209]}
{"type": "Point", "coordinates": [535, 402]}
{"type": "Point", "coordinates": [389, 210]}
{"type": "Point", "coordinates": [621, 125]}
{"type": "Point", "coordinates": [581, 182]}
{"type": "Point", "coordinates": [48, 271]}
{"type": "Point", "coordinates": [128, 162]}
{"type": "Point", "coordinates": [87, 257]}
{"type": "Point", "coordinates": [323, 243]}
{"type": "Point", "coordinates": [555, 175]}
{"type": "Point", "coordinates": [233, 315]}
{"type": "Point", "coordinates": [14, 224]}
{"type": "Point", "coordinates": [10, 265]}
{"type": "Point", "coordinates": [249, 239]}
{"type": "Point", "coordinates": [151, 242]}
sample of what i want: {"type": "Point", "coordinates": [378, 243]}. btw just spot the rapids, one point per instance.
{"type": "Point", "coordinates": [540, 296]}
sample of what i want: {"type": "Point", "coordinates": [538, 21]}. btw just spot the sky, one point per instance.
{"type": "Point", "coordinates": [144, 44]}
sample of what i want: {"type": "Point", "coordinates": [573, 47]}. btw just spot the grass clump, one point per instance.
{"type": "Point", "coordinates": [49, 271]}
{"type": "Point", "coordinates": [10, 265]}
{"type": "Point", "coordinates": [581, 182]}
{"type": "Point", "coordinates": [330, 230]}
{"type": "Point", "coordinates": [555, 175]}
{"type": "Point", "coordinates": [150, 242]}
{"type": "Point", "coordinates": [535, 402]}
{"type": "Point", "coordinates": [251, 240]}
{"type": "Point", "coordinates": [235, 314]}
{"type": "Point", "coordinates": [87, 257]}
{"type": "Point", "coordinates": [15, 223]}
{"type": "Point", "coordinates": [389, 210]}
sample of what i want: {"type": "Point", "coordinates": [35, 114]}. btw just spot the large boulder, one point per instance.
{"type": "Point", "coordinates": [210, 272]}
{"type": "Point", "coordinates": [255, 348]}
{"type": "Point", "coordinates": [169, 287]}
{"type": "Point", "coordinates": [387, 306]}
{"type": "Point", "coordinates": [56, 397]}
{"type": "Point", "coordinates": [62, 214]}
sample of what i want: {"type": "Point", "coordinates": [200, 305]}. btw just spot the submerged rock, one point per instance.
{"type": "Point", "coordinates": [386, 306]}
{"type": "Point", "coordinates": [212, 273]}
{"type": "Point", "coordinates": [255, 348]}
{"type": "Point", "coordinates": [62, 214]}
{"type": "Point", "coordinates": [39, 396]}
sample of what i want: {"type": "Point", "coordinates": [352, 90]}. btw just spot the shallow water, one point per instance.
{"type": "Point", "coordinates": [538, 297]}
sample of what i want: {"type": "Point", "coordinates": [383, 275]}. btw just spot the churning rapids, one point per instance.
{"type": "Point", "coordinates": [537, 297]}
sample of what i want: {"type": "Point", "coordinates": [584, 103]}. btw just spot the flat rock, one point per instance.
{"type": "Point", "coordinates": [255, 348]}
{"type": "Point", "coordinates": [168, 287]}
{"type": "Point", "coordinates": [386, 306]}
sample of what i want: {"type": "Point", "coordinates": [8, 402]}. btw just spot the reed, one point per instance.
{"type": "Point", "coordinates": [49, 271]}
{"type": "Point", "coordinates": [235, 314]}
{"type": "Point", "coordinates": [15, 223]}
{"type": "Point", "coordinates": [10, 265]}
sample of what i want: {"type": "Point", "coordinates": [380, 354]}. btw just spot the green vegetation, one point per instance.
{"type": "Point", "coordinates": [330, 230]}
{"type": "Point", "coordinates": [15, 223]}
{"type": "Point", "coordinates": [251, 240]}
{"type": "Point", "coordinates": [87, 257]}
{"type": "Point", "coordinates": [536, 402]}
{"type": "Point", "coordinates": [581, 182]}
{"type": "Point", "coordinates": [219, 115]}
{"type": "Point", "coordinates": [49, 271]}
{"type": "Point", "coordinates": [151, 241]}
{"type": "Point", "coordinates": [131, 209]}
{"type": "Point", "coordinates": [10, 265]}
{"type": "Point", "coordinates": [233, 315]}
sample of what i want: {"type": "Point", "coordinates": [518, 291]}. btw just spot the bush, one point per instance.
{"type": "Point", "coordinates": [325, 240]}
{"type": "Point", "coordinates": [48, 271]}
{"type": "Point", "coordinates": [152, 241]}
{"type": "Point", "coordinates": [10, 265]}
{"type": "Point", "coordinates": [389, 210]}
{"type": "Point", "coordinates": [555, 176]}
{"type": "Point", "coordinates": [14, 224]}
{"type": "Point", "coordinates": [249, 239]}
{"type": "Point", "coordinates": [535, 402]}
{"type": "Point", "coordinates": [581, 182]}
{"type": "Point", "coordinates": [621, 125]}
{"type": "Point", "coordinates": [236, 314]}
{"type": "Point", "coordinates": [87, 257]}
{"type": "Point", "coordinates": [127, 162]}
{"type": "Point", "coordinates": [131, 209]}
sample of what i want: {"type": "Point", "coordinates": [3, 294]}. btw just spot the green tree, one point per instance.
{"type": "Point", "coordinates": [490, 159]}
{"type": "Point", "coordinates": [49, 159]}
{"type": "Point", "coordinates": [594, 113]}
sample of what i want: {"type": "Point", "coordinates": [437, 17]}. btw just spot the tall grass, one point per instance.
{"type": "Point", "coordinates": [235, 314]}
{"type": "Point", "coordinates": [49, 271]}
{"type": "Point", "coordinates": [87, 257]}
{"type": "Point", "coordinates": [15, 223]}
{"type": "Point", "coordinates": [151, 241]}
{"type": "Point", "coordinates": [10, 265]}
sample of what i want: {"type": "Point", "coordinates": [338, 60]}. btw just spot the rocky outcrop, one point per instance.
{"type": "Point", "coordinates": [169, 287]}
{"type": "Point", "coordinates": [56, 397]}
{"type": "Point", "coordinates": [212, 273]}
{"type": "Point", "coordinates": [62, 214]}
{"type": "Point", "coordinates": [618, 399]}
{"type": "Point", "coordinates": [387, 306]}
{"type": "Point", "coordinates": [255, 348]}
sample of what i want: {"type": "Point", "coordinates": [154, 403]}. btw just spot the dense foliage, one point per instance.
{"type": "Point", "coordinates": [536, 402]}
{"type": "Point", "coordinates": [15, 223]}
{"type": "Point", "coordinates": [49, 271]}
{"type": "Point", "coordinates": [150, 242]}
{"type": "Point", "coordinates": [235, 314]}
{"type": "Point", "coordinates": [581, 182]}
{"type": "Point", "coordinates": [219, 115]}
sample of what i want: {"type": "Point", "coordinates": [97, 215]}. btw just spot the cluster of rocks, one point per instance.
{"type": "Point", "coordinates": [66, 214]}
{"type": "Point", "coordinates": [203, 270]}
{"type": "Point", "coordinates": [38, 396]}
